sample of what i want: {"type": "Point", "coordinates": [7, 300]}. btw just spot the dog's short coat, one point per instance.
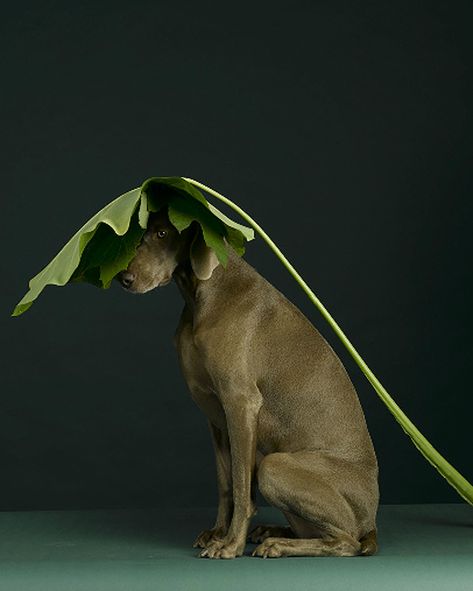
{"type": "Point", "coordinates": [282, 411]}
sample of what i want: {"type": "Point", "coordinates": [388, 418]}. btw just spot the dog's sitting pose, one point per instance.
{"type": "Point", "coordinates": [282, 411]}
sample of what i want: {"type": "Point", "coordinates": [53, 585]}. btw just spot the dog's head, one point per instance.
{"type": "Point", "coordinates": [161, 250]}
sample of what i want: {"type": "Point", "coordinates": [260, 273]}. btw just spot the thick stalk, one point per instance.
{"type": "Point", "coordinates": [455, 479]}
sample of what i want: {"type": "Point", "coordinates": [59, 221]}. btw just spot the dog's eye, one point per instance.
{"type": "Point", "coordinates": [161, 233]}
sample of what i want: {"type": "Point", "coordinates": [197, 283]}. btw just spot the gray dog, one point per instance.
{"type": "Point", "coordinates": [282, 411]}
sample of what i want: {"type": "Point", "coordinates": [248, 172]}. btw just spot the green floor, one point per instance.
{"type": "Point", "coordinates": [421, 547]}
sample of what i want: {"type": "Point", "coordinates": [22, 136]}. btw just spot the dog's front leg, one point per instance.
{"type": "Point", "coordinates": [223, 462]}
{"type": "Point", "coordinates": [242, 414]}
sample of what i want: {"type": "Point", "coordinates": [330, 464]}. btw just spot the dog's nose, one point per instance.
{"type": "Point", "coordinates": [126, 278]}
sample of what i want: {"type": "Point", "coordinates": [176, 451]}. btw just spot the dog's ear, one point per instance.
{"type": "Point", "coordinates": [203, 259]}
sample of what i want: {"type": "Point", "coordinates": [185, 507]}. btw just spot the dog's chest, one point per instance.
{"type": "Point", "coordinates": [198, 379]}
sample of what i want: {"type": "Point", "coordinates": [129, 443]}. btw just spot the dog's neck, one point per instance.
{"type": "Point", "coordinates": [187, 283]}
{"type": "Point", "coordinates": [197, 292]}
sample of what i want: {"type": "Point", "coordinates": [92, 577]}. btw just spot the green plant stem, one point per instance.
{"type": "Point", "coordinates": [455, 479]}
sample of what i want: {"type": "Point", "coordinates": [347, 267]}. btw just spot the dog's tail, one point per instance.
{"type": "Point", "coordinates": [369, 544]}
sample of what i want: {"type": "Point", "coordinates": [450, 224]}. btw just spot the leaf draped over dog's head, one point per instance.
{"type": "Point", "coordinates": [106, 244]}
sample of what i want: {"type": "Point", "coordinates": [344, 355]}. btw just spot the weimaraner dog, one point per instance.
{"type": "Point", "coordinates": [282, 411]}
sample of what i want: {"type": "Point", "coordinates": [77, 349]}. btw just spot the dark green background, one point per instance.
{"type": "Point", "coordinates": [344, 128]}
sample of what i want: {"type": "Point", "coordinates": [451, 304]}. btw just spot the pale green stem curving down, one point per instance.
{"type": "Point", "coordinates": [459, 483]}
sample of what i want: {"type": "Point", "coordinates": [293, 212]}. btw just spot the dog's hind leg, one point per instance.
{"type": "Point", "coordinates": [277, 547]}
{"type": "Point", "coordinates": [314, 491]}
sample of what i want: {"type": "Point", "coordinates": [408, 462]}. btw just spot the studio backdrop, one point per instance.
{"type": "Point", "coordinates": [345, 129]}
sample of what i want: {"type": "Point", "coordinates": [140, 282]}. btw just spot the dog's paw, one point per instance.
{"type": "Point", "coordinates": [270, 548]}
{"type": "Point", "coordinates": [223, 549]}
{"type": "Point", "coordinates": [208, 536]}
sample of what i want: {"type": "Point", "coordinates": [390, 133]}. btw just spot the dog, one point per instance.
{"type": "Point", "coordinates": [282, 411]}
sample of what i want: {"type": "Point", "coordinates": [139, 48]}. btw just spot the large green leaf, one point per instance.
{"type": "Point", "coordinates": [107, 254]}
{"type": "Point", "coordinates": [107, 242]}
